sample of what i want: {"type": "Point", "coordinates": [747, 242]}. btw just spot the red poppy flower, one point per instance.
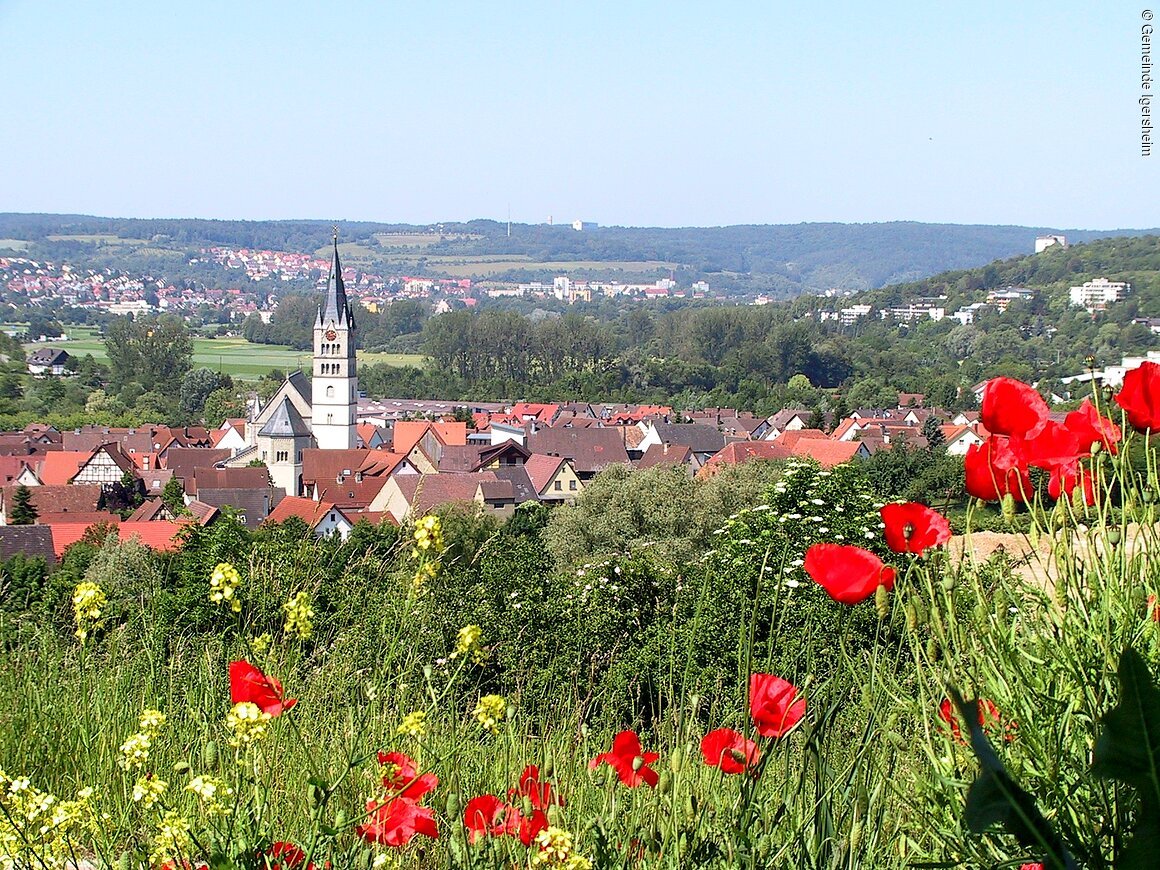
{"type": "Point", "coordinates": [1064, 479]}
{"type": "Point", "coordinates": [849, 574]}
{"type": "Point", "coordinates": [1034, 866]}
{"type": "Point", "coordinates": [730, 751]}
{"type": "Point", "coordinates": [396, 821]}
{"type": "Point", "coordinates": [1054, 445]}
{"type": "Point", "coordinates": [1154, 608]}
{"type": "Point", "coordinates": [286, 856]}
{"type": "Point", "coordinates": [401, 776]}
{"type": "Point", "coordinates": [1140, 396]}
{"type": "Point", "coordinates": [539, 794]}
{"type": "Point", "coordinates": [914, 528]}
{"type": "Point", "coordinates": [774, 705]}
{"type": "Point", "coordinates": [1011, 407]}
{"type": "Point", "coordinates": [988, 716]}
{"type": "Point", "coordinates": [1089, 427]}
{"type": "Point", "coordinates": [531, 825]}
{"type": "Point", "coordinates": [997, 468]}
{"type": "Point", "coordinates": [486, 815]}
{"type": "Point", "coordinates": [629, 762]}
{"type": "Point", "coordinates": [247, 683]}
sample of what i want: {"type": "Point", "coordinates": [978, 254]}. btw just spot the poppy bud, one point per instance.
{"type": "Point", "coordinates": [340, 820]}
{"type": "Point", "coordinates": [526, 806]}
{"type": "Point", "coordinates": [637, 762]}
{"type": "Point", "coordinates": [896, 739]}
{"type": "Point", "coordinates": [920, 614]}
{"type": "Point", "coordinates": [665, 785]}
{"type": "Point", "coordinates": [882, 601]}
{"type": "Point", "coordinates": [694, 702]}
{"type": "Point", "coordinates": [124, 862]}
{"type": "Point", "coordinates": [1097, 446]}
{"type": "Point", "coordinates": [911, 617]}
{"type": "Point", "coordinates": [1113, 536]}
{"type": "Point", "coordinates": [1008, 505]}
{"type": "Point", "coordinates": [584, 730]}
{"type": "Point", "coordinates": [932, 651]}
{"type": "Point", "coordinates": [317, 795]}
{"type": "Point", "coordinates": [181, 767]}
{"type": "Point", "coordinates": [427, 672]}
{"type": "Point", "coordinates": [209, 754]}
{"type": "Point", "coordinates": [549, 767]}
{"type": "Point", "coordinates": [855, 836]}
{"type": "Point", "coordinates": [453, 805]}
{"type": "Point", "coordinates": [675, 762]}
{"type": "Point", "coordinates": [947, 583]}
{"type": "Point", "coordinates": [511, 712]}
{"type": "Point", "coordinates": [691, 808]}
{"type": "Point", "coordinates": [738, 755]}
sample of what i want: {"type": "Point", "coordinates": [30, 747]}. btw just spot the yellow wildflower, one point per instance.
{"type": "Point", "coordinates": [429, 534]}
{"type": "Point", "coordinates": [214, 793]}
{"type": "Point", "coordinates": [248, 724]}
{"type": "Point", "coordinates": [223, 586]}
{"type": "Point", "coordinates": [413, 725]}
{"type": "Point", "coordinates": [149, 790]}
{"type": "Point", "coordinates": [171, 841]}
{"type": "Point", "coordinates": [469, 641]}
{"type": "Point", "coordinates": [135, 751]}
{"type": "Point", "coordinates": [89, 602]}
{"type": "Point", "coordinates": [261, 643]}
{"type": "Point", "coordinates": [299, 615]}
{"type": "Point", "coordinates": [556, 851]}
{"type": "Point", "coordinates": [151, 722]}
{"type": "Point", "coordinates": [489, 712]}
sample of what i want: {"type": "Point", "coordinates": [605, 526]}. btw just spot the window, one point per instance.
{"type": "Point", "coordinates": [281, 456]}
{"type": "Point", "coordinates": [330, 392]}
{"type": "Point", "coordinates": [557, 486]}
{"type": "Point", "coordinates": [572, 485]}
{"type": "Point", "coordinates": [329, 418]}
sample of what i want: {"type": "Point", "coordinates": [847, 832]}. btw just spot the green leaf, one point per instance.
{"type": "Point", "coordinates": [1129, 746]}
{"type": "Point", "coordinates": [1128, 750]}
{"type": "Point", "coordinates": [995, 798]}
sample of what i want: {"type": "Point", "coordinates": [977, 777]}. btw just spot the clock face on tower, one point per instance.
{"type": "Point", "coordinates": [331, 335]}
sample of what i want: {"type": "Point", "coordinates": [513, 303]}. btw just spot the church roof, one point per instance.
{"type": "Point", "coordinates": [336, 308]}
{"type": "Point", "coordinates": [285, 422]}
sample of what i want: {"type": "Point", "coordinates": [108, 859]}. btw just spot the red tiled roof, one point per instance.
{"type": "Point", "coordinates": [826, 452]}
{"type": "Point", "coordinates": [79, 498]}
{"type": "Point", "coordinates": [541, 469]}
{"type": "Point", "coordinates": [308, 510]}
{"type": "Point", "coordinates": [156, 535]}
{"type": "Point", "coordinates": [61, 466]}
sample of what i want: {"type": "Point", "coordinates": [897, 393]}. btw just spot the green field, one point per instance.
{"type": "Point", "coordinates": [13, 245]}
{"type": "Point", "coordinates": [233, 356]}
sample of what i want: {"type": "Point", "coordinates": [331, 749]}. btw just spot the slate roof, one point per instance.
{"type": "Point", "coordinates": [522, 486]}
{"type": "Point", "coordinates": [589, 450]}
{"type": "Point", "coordinates": [255, 503]}
{"type": "Point", "coordinates": [701, 438]}
{"type": "Point", "coordinates": [185, 461]}
{"type": "Point", "coordinates": [29, 541]}
{"type": "Point", "coordinates": [285, 422]}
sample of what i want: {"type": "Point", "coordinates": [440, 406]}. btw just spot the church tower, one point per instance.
{"type": "Point", "coordinates": [334, 387]}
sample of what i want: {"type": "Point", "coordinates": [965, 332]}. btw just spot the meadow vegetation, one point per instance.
{"type": "Point", "coordinates": [768, 669]}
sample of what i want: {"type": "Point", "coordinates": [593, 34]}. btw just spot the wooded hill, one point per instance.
{"type": "Point", "coordinates": [778, 259]}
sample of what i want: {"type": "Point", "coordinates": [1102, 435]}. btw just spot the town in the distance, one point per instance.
{"type": "Point", "coordinates": [549, 380]}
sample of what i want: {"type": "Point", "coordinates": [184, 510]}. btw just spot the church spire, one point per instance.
{"type": "Point", "coordinates": [336, 309]}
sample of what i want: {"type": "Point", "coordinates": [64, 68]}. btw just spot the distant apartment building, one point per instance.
{"type": "Point", "coordinates": [966, 314]}
{"type": "Point", "coordinates": [1002, 298]}
{"type": "Point", "coordinates": [919, 309]}
{"type": "Point", "coordinates": [1098, 294]}
{"type": "Point", "coordinates": [1042, 243]}
{"type": "Point", "coordinates": [580, 226]}
{"type": "Point", "coordinates": [848, 316]}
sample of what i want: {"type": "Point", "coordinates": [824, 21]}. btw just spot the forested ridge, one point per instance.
{"type": "Point", "coordinates": [779, 259]}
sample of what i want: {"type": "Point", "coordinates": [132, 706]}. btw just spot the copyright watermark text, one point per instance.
{"type": "Point", "coordinates": [1146, 83]}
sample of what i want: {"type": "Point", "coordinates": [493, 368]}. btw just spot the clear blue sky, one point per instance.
{"type": "Point", "coordinates": [636, 112]}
